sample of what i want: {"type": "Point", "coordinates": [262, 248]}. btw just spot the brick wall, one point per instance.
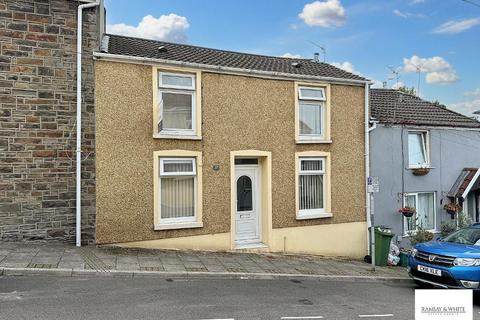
{"type": "Point", "coordinates": [37, 120]}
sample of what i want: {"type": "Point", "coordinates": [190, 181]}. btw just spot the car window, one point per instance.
{"type": "Point", "coordinates": [469, 236]}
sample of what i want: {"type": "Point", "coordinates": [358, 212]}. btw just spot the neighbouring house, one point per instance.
{"type": "Point", "coordinates": [425, 156]}
{"type": "Point", "coordinates": [201, 148]}
{"type": "Point", "coordinates": [37, 118]}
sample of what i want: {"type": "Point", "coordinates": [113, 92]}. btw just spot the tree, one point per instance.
{"type": "Point", "coordinates": [407, 90]}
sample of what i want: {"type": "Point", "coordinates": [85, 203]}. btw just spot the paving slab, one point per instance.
{"type": "Point", "coordinates": [45, 257]}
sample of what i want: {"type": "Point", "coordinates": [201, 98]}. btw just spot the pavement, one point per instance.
{"type": "Point", "coordinates": [106, 298]}
{"type": "Point", "coordinates": [26, 258]}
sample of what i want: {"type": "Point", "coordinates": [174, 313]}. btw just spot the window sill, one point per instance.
{"type": "Point", "coordinates": [312, 141]}
{"type": "Point", "coordinates": [177, 137]}
{"type": "Point", "coordinates": [186, 225]}
{"type": "Point", "coordinates": [314, 216]}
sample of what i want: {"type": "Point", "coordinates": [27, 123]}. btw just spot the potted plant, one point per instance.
{"type": "Point", "coordinates": [420, 236]}
{"type": "Point", "coordinates": [407, 212]}
{"type": "Point", "coordinates": [452, 209]}
{"type": "Point", "coordinates": [420, 171]}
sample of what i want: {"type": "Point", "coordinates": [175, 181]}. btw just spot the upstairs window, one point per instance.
{"type": "Point", "coordinates": [176, 104]}
{"type": "Point", "coordinates": [418, 149]}
{"type": "Point", "coordinates": [311, 113]}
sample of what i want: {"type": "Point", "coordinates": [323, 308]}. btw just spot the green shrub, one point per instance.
{"type": "Point", "coordinates": [420, 236]}
{"type": "Point", "coordinates": [449, 227]}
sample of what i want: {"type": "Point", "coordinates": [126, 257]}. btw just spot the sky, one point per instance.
{"type": "Point", "coordinates": [431, 45]}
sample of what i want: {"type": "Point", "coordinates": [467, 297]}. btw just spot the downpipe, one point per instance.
{"type": "Point", "coordinates": [78, 171]}
{"type": "Point", "coordinates": [370, 231]}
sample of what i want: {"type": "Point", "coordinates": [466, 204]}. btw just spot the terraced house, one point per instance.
{"type": "Point", "coordinates": [426, 156]}
{"type": "Point", "coordinates": [208, 149]}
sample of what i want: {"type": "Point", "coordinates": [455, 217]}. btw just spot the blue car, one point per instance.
{"type": "Point", "coordinates": [452, 262]}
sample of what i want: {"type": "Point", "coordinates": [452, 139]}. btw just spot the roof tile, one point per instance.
{"type": "Point", "coordinates": [129, 46]}
{"type": "Point", "coordinates": [391, 106]}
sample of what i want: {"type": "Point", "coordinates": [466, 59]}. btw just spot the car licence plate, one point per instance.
{"type": "Point", "coordinates": [429, 270]}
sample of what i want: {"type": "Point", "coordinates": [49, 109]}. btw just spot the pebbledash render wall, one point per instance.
{"type": "Point", "coordinates": [238, 113]}
{"type": "Point", "coordinates": [37, 119]}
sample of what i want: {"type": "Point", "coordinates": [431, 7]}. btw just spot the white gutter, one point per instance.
{"type": "Point", "coordinates": [78, 199]}
{"type": "Point", "coordinates": [228, 70]}
{"type": "Point", "coordinates": [423, 127]}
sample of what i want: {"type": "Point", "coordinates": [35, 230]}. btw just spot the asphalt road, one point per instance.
{"type": "Point", "coordinates": [40, 297]}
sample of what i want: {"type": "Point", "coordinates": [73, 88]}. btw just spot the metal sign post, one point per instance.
{"type": "Point", "coordinates": [373, 186]}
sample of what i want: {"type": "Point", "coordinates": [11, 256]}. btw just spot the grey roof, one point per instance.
{"type": "Point", "coordinates": [129, 46]}
{"type": "Point", "coordinates": [391, 106]}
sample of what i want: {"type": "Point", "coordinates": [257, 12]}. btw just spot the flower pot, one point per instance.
{"type": "Point", "coordinates": [420, 171]}
{"type": "Point", "coordinates": [451, 213]}
{"type": "Point", "coordinates": [407, 214]}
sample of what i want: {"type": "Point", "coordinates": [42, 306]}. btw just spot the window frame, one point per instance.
{"type": "Point", "coordinates": [184, 75]}
{"type": "Point", "coordinates": [325, 212]}
{"type": "Point", "coordinates": [404, 219]}
{"type": "Point", "coordinates": [321, 136]}
{"type": "Point", "coordinates": [300, 97]}
{"type": "Point", "coordinates": [324, 104]}
{"type": "Point", "coordinates": [177, 131]}
{"type": "Point", "coordinates": [425, 146]}
{"type": "Point", "coordinates": [195, 133]}
{"type": "Point", "coordinates": [194, 221]}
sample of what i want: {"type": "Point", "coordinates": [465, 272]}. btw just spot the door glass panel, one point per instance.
{"type": "Point", "coordinates": [246, 161]}
{"type": "Point", "coordinates": [244, 194]}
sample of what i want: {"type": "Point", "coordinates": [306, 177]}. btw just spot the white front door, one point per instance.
{"type": "Point", "coordinates": [247, 216]}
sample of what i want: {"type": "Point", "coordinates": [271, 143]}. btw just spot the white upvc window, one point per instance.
{"type": "Point", "coordinates": [311, 186]}
{"type": "Point", "coordinates": [176, 104]}
{"type": "Point", "coordinates": [418, 149]}
{"type": "Point", "coordinates": [311, 113]}
{"type": "Point", "coordinates": [177, 190]}
{"type": "Point", "coordinates": [425, 206]}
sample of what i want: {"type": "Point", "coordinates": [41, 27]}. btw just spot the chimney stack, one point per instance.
{"type": "Point", "coordinates": [316, 57]}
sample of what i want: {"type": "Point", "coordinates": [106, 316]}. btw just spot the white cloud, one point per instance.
{"type": "Point", "coordinates": [457, 26]}
{"type": "Point", "coordinates": [467, 107]}
{"type": "Point", "coordinates": [325, 14]}
{"type": "Point", "coordinates": [170, 27]}
{"type": "Point", "coordinates": [377, 84]}
{"type": "Point", "coordinates": [291, 55]}
{"type": "Point", "coordinates": [408, 14]}
{"type": "Point", "coordinates": [399, 13]}
{"type": "Point", "coordinates": [416, 1]}
{"type": "Point", "coordinates": [473, 93]}
{"type": "Point", "coordinates": [347, 66]}
{"type": "Point", "coordinates": [398, 85]}
{"type": "Point", "coordinates": [437, 70]}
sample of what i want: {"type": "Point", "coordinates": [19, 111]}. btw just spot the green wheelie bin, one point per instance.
{"type": "Point", "coordinates": [383, 237]}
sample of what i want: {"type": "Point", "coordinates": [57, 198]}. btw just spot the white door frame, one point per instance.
{"type": "Point", "coordinates": [254, 173]}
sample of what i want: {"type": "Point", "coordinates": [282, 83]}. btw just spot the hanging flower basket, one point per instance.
{"type": "Point", "coordinates": [407, 212]}
{"type": "Point", "coordinates": [452, 209]}
{"type": "Point", "coordinates": [420, 171]}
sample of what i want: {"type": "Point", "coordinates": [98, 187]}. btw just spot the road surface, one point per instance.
{"type": "Point", "coordinates": [48, 297]}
